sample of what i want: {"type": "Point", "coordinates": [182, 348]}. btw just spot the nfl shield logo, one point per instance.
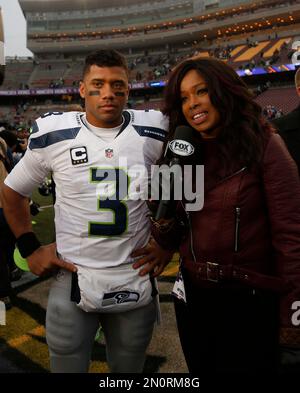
{"type": "Point", "coordinates": [109, 153]}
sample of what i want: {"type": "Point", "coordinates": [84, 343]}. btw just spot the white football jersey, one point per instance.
{"type": "Point", "coordinates": [100, 212]}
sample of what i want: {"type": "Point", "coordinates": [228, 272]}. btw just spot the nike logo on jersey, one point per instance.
{"type": "Point", "coordinates": [79, 155]}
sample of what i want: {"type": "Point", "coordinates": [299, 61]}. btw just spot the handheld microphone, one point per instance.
{"type": "Point", "coordinates": [180, 150]}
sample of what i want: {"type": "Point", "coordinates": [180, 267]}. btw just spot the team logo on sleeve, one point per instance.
{"type": "Point", "coordinates": [79, 155]}
{"type": "Point", "coordinates": [109, 153]}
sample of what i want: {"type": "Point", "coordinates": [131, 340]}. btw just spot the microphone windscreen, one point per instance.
{"type": "Point", "coordinates": [184, 132]}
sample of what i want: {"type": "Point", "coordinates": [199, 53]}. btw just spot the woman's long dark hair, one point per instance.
{"type": "Point", "coordinates": [243, 130]}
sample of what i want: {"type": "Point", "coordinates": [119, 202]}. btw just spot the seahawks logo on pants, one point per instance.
{"type": "Point", "coordinates": [119, 297]}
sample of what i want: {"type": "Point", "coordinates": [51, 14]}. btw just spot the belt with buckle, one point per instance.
{"type": "Point", "coordinates": [210, 271]}
{"type": "Point", "coordinates": [215, 272]}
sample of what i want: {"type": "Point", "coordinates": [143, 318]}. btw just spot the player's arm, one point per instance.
{"type": "Point", "coordinates": [16, 209]}
{"type": "Point", "coordinates": [14, 195]}
{"type": "Point", "coordinates": [41, 259]}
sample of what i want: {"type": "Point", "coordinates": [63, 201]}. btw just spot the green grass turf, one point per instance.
{"type": "Point", "coordinates": [44, 227]}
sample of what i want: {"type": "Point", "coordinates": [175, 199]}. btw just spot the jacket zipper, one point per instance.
{"type": "Point", "coordinates": [227, 178]}
{"type": "Point", "coordinates": [191, 232]}
{"type": "Point", "coordinates": [237, 219]}
{"type": "Point", "coordinates": [237, 228]}
{"type": "Point", "coordinates": [233, 174]}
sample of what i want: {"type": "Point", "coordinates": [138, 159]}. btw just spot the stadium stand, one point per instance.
{"type": "Point", "coordinates": [13, 77]}
{"type": "Point", "coordinates": [154, 36]}
{"type": "Point", "coordinates": [63, 72]}
{"type": "Point", "coordinates": [274, 96]}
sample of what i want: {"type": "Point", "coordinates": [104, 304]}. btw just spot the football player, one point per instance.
{"type": "Point", "coordinates": [99, 159]}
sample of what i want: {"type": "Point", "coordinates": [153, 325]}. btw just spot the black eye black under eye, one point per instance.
{"type": "Point", "coordinates": [94, 93]}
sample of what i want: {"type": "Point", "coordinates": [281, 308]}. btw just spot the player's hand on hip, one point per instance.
{"type": "Point", "coordinates": [44, 261]}
{"type": "Point", "coordinates": [153, 258]}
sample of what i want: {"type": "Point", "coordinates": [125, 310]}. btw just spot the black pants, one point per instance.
{"type": "Point", "coordinates": [229, 331]}
{"type": "Point", "coordinates": [7, 245]}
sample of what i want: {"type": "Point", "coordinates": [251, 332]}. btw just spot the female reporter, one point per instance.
{"type": "Point", "coordinates": [240, 254]}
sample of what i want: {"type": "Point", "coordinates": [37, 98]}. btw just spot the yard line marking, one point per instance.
{"type": "Point", "coordinates": [18, 341]}
{"type": "Point", "coordinates": [45, 207]}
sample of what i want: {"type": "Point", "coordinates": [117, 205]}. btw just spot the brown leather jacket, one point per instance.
{"type": "Point", "coordinates": [248, 232]}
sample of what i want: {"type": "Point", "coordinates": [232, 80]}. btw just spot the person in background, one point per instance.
{"type": "Point", "coordinates": [23, 133]}
{"type": "Point", "coordinates": [13, 146]}
{"type": "Point", "coordinates": [11, 141]}
{"type": "Point", "coordinates": [16, 146]}
{"type": "Point", "coordinates": [7, 239]}
{"type": "Point", "coordinates": [289, 126]}
{"type": "Point", "coordinates": [238, 291]}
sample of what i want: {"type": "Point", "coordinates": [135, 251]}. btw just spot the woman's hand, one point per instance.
{"type": "Point", "coordinates": [153, 257]}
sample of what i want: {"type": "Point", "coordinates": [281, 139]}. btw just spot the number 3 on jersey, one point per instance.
{"type": "Point", "coordinates": [112, 189]}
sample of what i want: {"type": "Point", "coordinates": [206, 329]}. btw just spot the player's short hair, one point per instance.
{"type": "Point", "coordinates": [297, 78]}
{"type": "Point", "coordinates": [104, 58]}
